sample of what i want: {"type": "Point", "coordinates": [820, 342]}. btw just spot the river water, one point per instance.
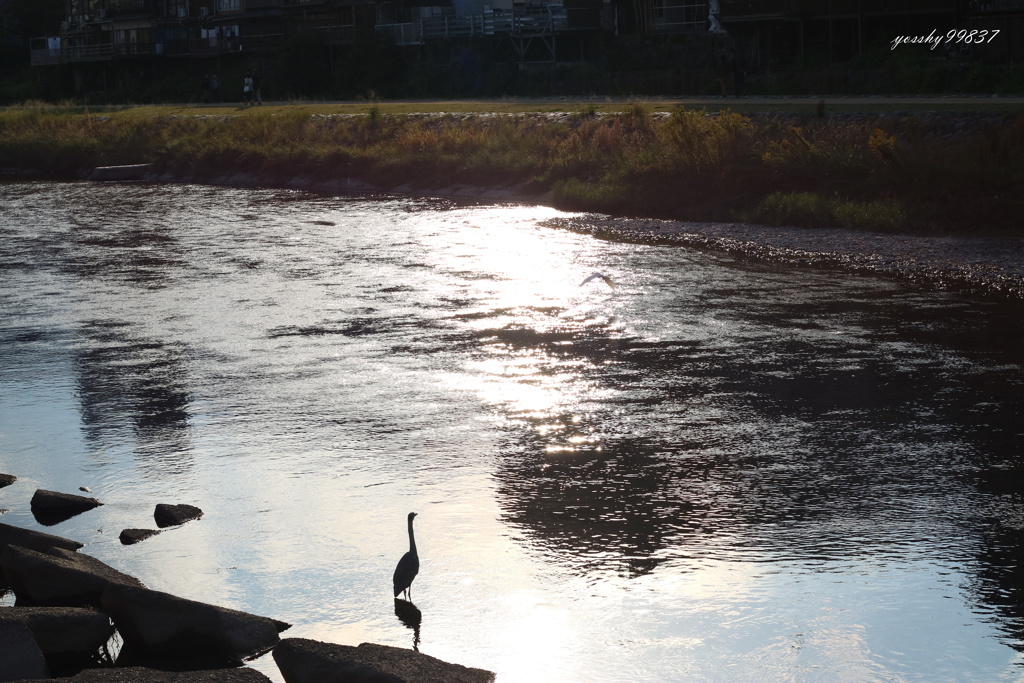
{"type": "Point", "coordinates": [714, 471]}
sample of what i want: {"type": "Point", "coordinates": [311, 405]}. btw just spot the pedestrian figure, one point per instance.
{"type": "Point", "coordinates": [714, 9]}
{"type": "Point", "coordinates": [247, 89]}
{"type": "Point", "coordinates": [256, 84]}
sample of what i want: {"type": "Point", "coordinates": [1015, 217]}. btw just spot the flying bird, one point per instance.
{"type": "Point", "coordinates": [599, 276]}
{"type": "Point", "coordinates": [408, 566]}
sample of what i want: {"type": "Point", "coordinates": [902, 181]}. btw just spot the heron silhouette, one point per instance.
{"type": "Point", "coordinates": [408, 566]}
{"type": "Point", "coordinates": [599, 276]}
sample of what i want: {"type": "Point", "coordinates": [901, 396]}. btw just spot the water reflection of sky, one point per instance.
{"type": "Point", "coordinates": [714, 471]}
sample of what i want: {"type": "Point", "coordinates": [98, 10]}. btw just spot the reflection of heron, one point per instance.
{"type": "Point", "coordinates": [408, 566]}
{"type": "Point", "coordinates": [598, 276]}
{"type": "Point", "coordinates": [411, 617]}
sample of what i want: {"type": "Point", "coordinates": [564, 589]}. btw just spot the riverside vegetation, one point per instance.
{"type": "Point", "coordinates": [940, 173]}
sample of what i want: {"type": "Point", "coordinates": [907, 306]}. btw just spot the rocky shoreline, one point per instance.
{"type": "Point", "coordinates": [70, 607]}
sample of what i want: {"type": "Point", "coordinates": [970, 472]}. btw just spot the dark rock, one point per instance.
{"type": "Point", "coordinates": [69, 637]}
{"type": "Point", "coordinates": [133, 536]}
{"type": "Point", "coordinates": [34, 540]}
{"type": "Point", "coordinates": [7, 480]}
{"type": "Point", "coordinates": [173, 515]}
{"type": "Point", "coordinates": [138, 674]}
{"type": "Point", "coordinates": [157, 624]}
{"type": "Point", "coordinates": [20, 657]}
{"type": "Point", "coordinates": [60, 577]}
{"type": "Point", "coordinates": [53, 507]}
{"type": "Point", "coordinates": [309, 661]}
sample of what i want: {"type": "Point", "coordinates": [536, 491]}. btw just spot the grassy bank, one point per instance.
{"type": "Point", "coordinates": [958, 174]}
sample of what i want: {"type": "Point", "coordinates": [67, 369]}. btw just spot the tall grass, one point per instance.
{"type": "Point", "coordinates": [805, 209]}
{"type": "Point", "coordinates": [880, 173]}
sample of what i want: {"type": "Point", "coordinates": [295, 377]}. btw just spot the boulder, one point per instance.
{"type": "Point", "coordinates": [69, 637]}
{"type": "Point", "coordinates": [34, 540]}
{"type": "Point", "coordinates": [133, 536]}
{"type": "Point", "coordinates": [154, 624]}
{"type": "Point", "coordinates": [53, 507]}
{"type": "Point", "coordinates": [174, 515]}
{"type": "Point", "coordinates": [138, 674]}
{"type": "Point", "coordinates": [59, 577]}
{"type": "Point", "coordinates": [309, 661]}
{"type": "Point", "coordinates": [7, 480]}
{"type": "Point", "coordinates": [20, 657]}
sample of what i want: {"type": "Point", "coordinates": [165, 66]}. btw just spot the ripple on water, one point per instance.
{"type": "Point", "coordinates": [706, 470]}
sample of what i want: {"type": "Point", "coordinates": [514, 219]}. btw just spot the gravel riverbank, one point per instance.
{"type": "Point", "coordinates": [992, 267]}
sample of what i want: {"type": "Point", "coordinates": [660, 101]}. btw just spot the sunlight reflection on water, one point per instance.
{"type": "Point", "coordinates": [715, 471]}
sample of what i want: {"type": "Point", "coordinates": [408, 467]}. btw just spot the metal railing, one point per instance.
{"type": "Point", "coordinates": [133, 49]}
{"type": "Point", "coordinates": [86, 53]}
{"type": "Point", "coordinates": [46, 56]}
{"type": "Point", "coordinates": [535, 20]}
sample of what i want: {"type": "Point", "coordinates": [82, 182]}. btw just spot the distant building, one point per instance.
{"type": "Point", "coordinates": [96, 30]}
{"type": "Point", "coordinates": [769, 33]}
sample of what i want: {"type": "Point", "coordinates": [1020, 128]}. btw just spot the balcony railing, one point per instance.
{"type": "Point", "coordinates": [107, 51]}
{"type": "Point", "coordinates": [535, 20]}
{"type": "Point", "coordinates": [135, 49]}
{"type": "Point", "coordinates": [87, 53]}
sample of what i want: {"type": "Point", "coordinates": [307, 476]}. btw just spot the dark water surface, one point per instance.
{"type": "Point", "coordinates": [716, 471]}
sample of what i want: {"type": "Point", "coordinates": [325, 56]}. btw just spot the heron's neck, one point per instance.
{"type": "Point", "coordinates": [412, 539]}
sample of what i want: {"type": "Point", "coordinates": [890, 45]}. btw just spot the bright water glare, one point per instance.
{"type": "Point", "coordinates": [714, 471]}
